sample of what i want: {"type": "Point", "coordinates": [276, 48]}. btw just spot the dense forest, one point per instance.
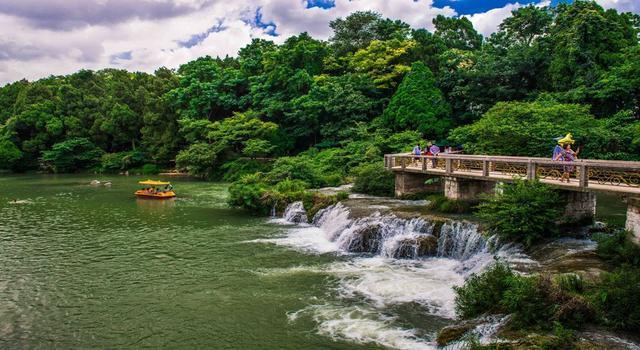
{"type": "Point", "coordinates": [325, 110]}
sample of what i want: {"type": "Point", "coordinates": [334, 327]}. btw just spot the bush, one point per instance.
{"type": "Point", "coordinates": [533, 301]}
{"type": "Point", "coordinates": [483, 293]}
{"type": "Point", "coordinates": [238, 168]}
{"type": "Point", "coordinates": [618, 248]}
{"type": "Point", "coordinates": [375, 180]}
{"type": "Point", "coordinates": [72, 155]}
{"type": "Point", "coordinates": [526, 299]}
{"type": "Point", "coordinates": [10, 155]}
{"type": "Point", "coordinates": [445, 205]}
{"type": "Point", "coordinates": [618, 299]}
{"type": "Point", "coordinates": [117, 162]}
{"type": "Point", "coordinates": [296, 168]}
{"type": "Point", "coordinates": [248, 193]}
{"type": "Point", "coordinates": [525, 211]}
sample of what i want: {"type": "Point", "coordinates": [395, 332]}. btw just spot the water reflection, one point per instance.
{"type": "Point", "coordinates": [156, 206]}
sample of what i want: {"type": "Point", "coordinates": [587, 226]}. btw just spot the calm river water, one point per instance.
{"type": "Point", "coordinates": [92, 267]}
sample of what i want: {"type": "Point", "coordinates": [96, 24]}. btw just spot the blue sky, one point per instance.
{"type": "Point", "coordinates": [63, 36]}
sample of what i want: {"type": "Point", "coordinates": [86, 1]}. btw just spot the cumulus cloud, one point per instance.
{"type": "Point", "coordinates": [621, 5]}
{"type": "Point", "coordinates": [69, 14]}
{"type": "Point", "coordinates": [487, 23]}
{"type": "Point", "coordinates": [40, 38]}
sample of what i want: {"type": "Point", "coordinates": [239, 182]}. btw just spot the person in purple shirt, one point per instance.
{"type": "Point", "coordinates": [434, 149]}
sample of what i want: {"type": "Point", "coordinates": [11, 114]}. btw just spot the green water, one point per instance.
{"type": "Point", "coordinates": [92, 267]}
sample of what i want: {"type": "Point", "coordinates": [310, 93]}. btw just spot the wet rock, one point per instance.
{"type": "Point", "coordinates": [412, 248]}
{"type": "Point", "coordinates": [454, 332]}
{"type": "Point", "coordinates": [367, 239]}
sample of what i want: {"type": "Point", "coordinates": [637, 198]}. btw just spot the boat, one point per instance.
{"type": "Point", "coordinates": [155, 190]}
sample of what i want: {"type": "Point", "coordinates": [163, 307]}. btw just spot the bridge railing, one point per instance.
{"type": "Point", "coordinates": [583, 172]}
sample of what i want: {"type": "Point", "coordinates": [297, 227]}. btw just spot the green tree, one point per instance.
{"type": "Point", "coordinates": [419, 104]}
{"type": "Point", "coordinates": [10, 155]}
{"type": "Point", "coordinates": [71, 155]}
{"type": "Point", "coordinates": [360, 28]}
{"type": "Point", "coordinates": [529, 129]}
{"type": "Point", "coordinates": [525, 211]}
{"type": "Point", "coordinates": [457, 33]}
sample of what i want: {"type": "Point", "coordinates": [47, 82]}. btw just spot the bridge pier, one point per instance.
{"type": "Point", "coordinates": [461, 189]}
{"type": "Point", "coordinates": [633, 217]}
{"type": "Point", "coordinates": [412, 183]}
{"type": "Point", "coordinates": [580, 206]}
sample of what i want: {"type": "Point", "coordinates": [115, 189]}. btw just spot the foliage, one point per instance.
{"type": "Point", "coordinates": [618, 248]}
{"type": "Point", "coordinates": [442, 204]}
{"type": "Point", "coordinates": [236, 169]}
{"type": "Point", "coordinates": [525, 211]}
{"type": "Point", "coordinates": [70, 155]}
{"type": "Point", "coordinates": [529, 128]}
{"type": "Point", "coordinates": [484, 292]}
{"type": "Point", "coordinates": [10, 155]}
{"type": "Point", "coordinates": [375, 180]}
{"type": "Point", "coordinates": [419, 104]}
{"type": "Point", "coordinates": [118, 162]}
{"type": "Point", "coordinates": [533, 301]}
{"type": "Point", "coordinates": [247, 193]}
{"type": "Point", "coordinates": [618, 298]}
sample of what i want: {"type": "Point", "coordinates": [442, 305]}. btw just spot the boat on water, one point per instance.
{"type": "Point", "coordinates": [155, 190]}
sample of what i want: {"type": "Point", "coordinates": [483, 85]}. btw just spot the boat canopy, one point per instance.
{"type": "Point", "coordinates": [154, 183]}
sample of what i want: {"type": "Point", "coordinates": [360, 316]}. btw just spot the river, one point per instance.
{"type": "Point", "coordinates": [86, 266]}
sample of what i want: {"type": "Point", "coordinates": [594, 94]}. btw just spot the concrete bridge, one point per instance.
{"type": "Point", "coordinates": [464, 177]}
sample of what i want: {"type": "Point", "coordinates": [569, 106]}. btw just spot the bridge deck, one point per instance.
{"type": "Point", "coordinates": [586, 175]}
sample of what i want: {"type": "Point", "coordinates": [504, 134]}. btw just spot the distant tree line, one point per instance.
{"type": "Point", "coordinates": [375, 86]}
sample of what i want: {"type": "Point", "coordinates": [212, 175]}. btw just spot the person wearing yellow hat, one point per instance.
{"type": "Point", "coordinates": [566, 154]}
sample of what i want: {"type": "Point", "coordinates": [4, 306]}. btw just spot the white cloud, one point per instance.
{"type": "Point", "coordinates": [621, 5]}
{"type": "Point", "coordinates": [487, 23]}
{"type": "Point", "coordinates": [33, 48]}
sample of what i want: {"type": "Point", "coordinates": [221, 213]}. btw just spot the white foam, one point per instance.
{"type": "Point", "coordinates": [387, 282]}
{"type": "Point", "coordinates": [308, 239]}
{"type": "Point", "coordinates": [363, 325]}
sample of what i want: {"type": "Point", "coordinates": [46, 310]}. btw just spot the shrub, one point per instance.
{"type": "Point", "coordinates": [525, 211]}
{"type": "Point", "coordinates": [443, 204]}
{"type": "Point", "coordinates": [373, 179]}
{"type": "Point", "coordinates": [296, 168]}
{"type": "Point", "coordinates": [618, 248]}
{"type": "Point", "coordinates": [117, 162]}
{"type": "Point", "coordinates": [238, 168]}
{"type": "Point", "coordinates": [526, 299]}
{"type": "Point", "coordinates": [618, 299]}
{"type": "Point", "coordinates": [482, 293]}
{"type": "Point", "coordinates": [10, 155]}
{"type": "Point", "coordinates": [248, 193]}
{"type": "Point", "coordinates": [72, 155]}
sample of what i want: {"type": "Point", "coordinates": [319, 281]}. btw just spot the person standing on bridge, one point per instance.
{"type": "Point", "coordinates": [567, 155]}
{"type": "Point", "coordinates": [417, 151]}
{"type": "Point", "coordinates": [434, 149]}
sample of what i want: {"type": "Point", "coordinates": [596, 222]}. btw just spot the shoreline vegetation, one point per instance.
{"type": "Point", "coordinates": [279, 121]}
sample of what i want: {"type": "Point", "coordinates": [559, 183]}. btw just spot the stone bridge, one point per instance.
{"type": "Point", "coordinates": [464, 177]}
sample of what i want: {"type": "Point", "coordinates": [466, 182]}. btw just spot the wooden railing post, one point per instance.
{"type": "Point", "coordinates": [424, 164]}
{"type": "Point", "coordinates": [485, 168]}
{"type": "Point", "coordinates": [448, 165]}
{"type": "Point", "coordinates": [403, 162]}
{"type": "Point", "coordinates": [584, 176]}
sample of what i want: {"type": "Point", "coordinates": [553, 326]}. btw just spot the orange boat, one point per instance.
{"type": "Point", "coordinates": [155, 190]}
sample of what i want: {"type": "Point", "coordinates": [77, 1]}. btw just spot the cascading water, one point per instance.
{"type": "Point", "coordinates": [295, 213]}
{"type": "Point", "coordinates": [387, 261]}
{"type": "Point", "coordinates": [393, 237]}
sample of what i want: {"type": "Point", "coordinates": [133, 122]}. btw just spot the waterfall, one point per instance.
{"type": "Point", "coordinates": [392, 237]}
{"type": "Point", "coordinates": [295, 213]}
